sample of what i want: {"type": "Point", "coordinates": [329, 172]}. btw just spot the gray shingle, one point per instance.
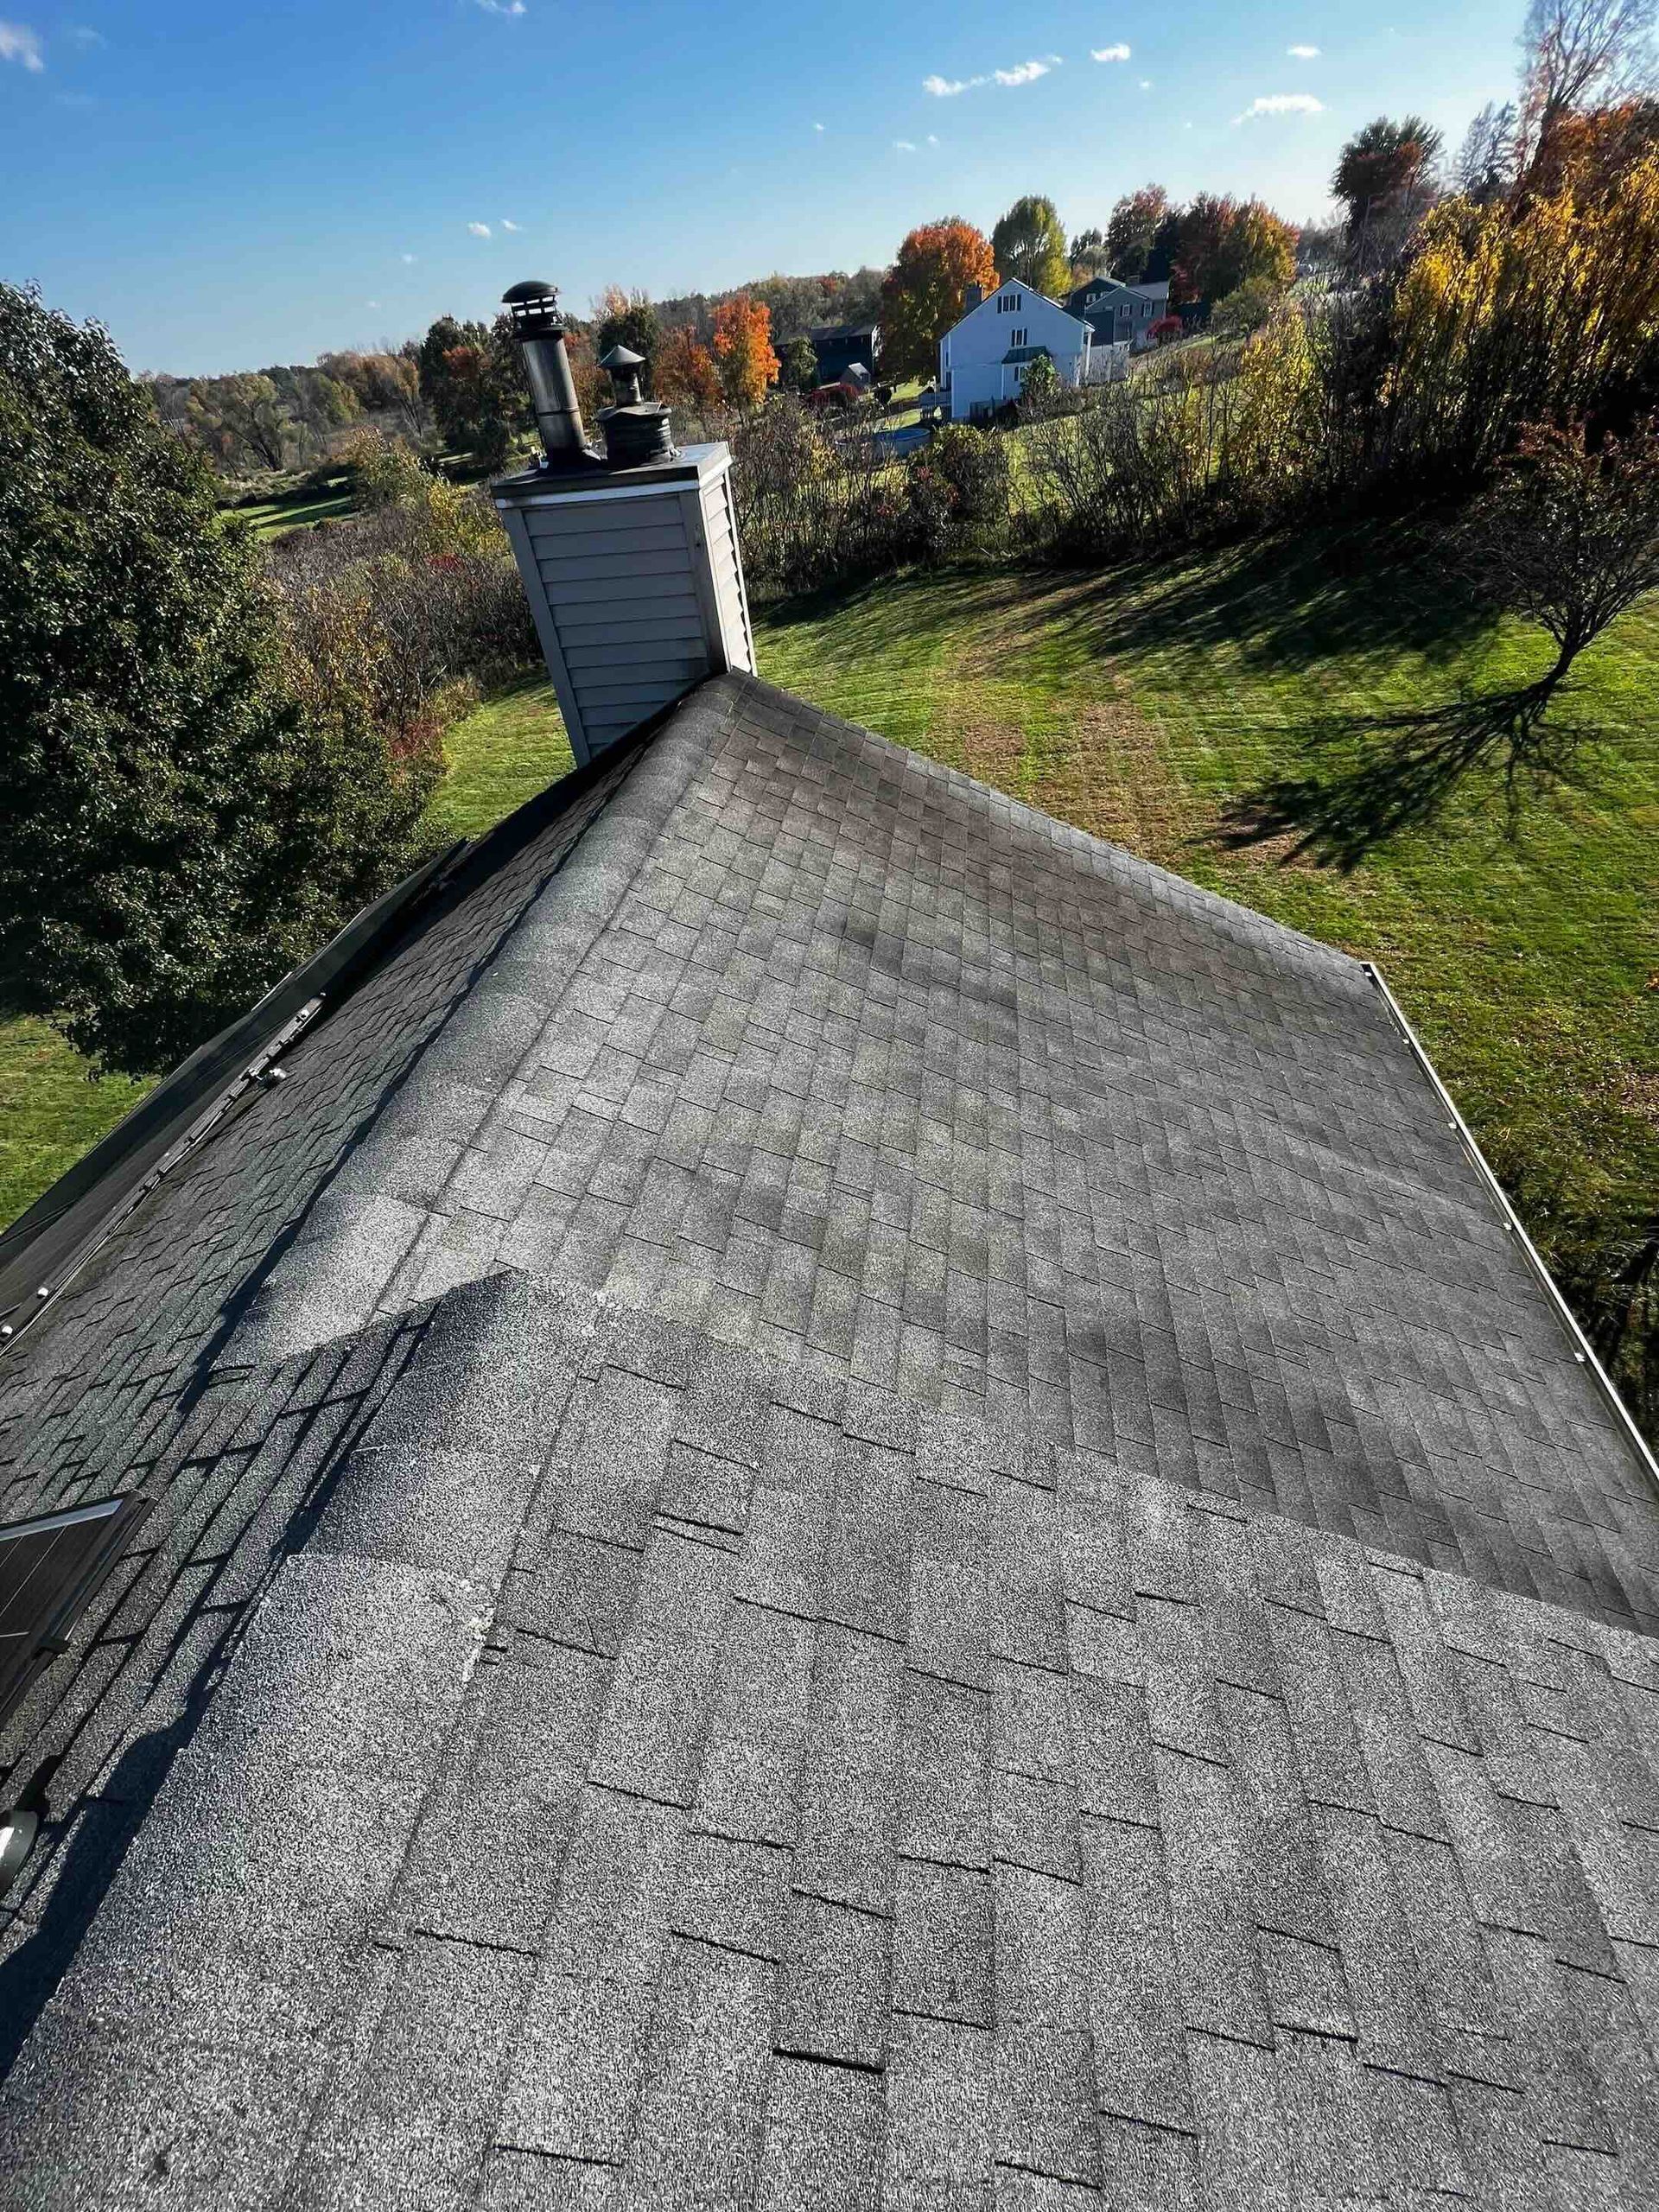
{"type": "Point", "coordinates": [733, 1781]}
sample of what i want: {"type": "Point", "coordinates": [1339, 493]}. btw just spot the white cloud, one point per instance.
{"type": "Point", "coordinates": [502, 6]}
{"type": "Point", "coordinates": [1282, 104]}
{"type": "Point", "coordinates": [508, 225]}
{"type": "Point", "coordinates": [84, 34]}
{"type": "Point", "coordinates": [479, 230]}
{"type": "Point", "coordinates": [903, 146]}
{"type": "Point", "coordinates": [1146, 84]}
{"type": "Point", "coordinates": [817, 126]}
{"type": "Point", "coordinates": [1118, 53]}
{"type": "Point", "coordinates": [932, 140]}
{"type": "Point", "coordinates": [1023, 73]}
{"type": "Point", "coordinates": [407, 260]}
{"type": "Point", "coordinates": [1303, 53]}
{"type": "Point", "coordinates": [370, 303]}
{"type": "Point", "coordinates": [20, 44]}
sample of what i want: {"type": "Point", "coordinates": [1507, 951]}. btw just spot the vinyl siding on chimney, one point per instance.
{"type": "Point", "coordinates": [640, 592]}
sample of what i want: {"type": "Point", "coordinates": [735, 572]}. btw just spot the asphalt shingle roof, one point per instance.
{"type": "Point", "coordinates": [855, 1505]}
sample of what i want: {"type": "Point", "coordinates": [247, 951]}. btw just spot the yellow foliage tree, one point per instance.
{"type": "Point", "coordinates": [1531, 313]}
{"type": "Point", "coordinates": [742, 343]}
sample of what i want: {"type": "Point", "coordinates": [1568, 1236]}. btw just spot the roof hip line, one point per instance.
{"type": "Point", "coordinates": [1583, 1351]}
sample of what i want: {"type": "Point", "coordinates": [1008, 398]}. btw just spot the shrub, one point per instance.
{"type": "Point", "coordinates": [176, 831]}
{"type": "Point", "coordinates": [816, 503]}
{"type": "Point", "coordinates": [1245, 311]}
{"type": "Point", "coordinates": [392, 620]}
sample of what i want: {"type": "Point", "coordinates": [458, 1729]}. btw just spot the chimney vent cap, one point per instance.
{"type": "Point", "coordinates": [621, 357]}
{"type": "Point", "coordinates": [533, 288]}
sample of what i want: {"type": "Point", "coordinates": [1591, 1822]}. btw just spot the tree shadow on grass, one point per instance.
{"type": "Point", "coordinates": [1286, 604]}
{"type": "Point", "coordinates": [1377, 776]}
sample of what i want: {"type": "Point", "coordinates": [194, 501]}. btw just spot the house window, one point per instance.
{"type": "Point", "coordinates": [1009, 302]}
{"type": "Point", "coordinates": [1018, 338]}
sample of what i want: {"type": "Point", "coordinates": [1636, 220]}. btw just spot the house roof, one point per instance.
{"type": "Point", "coordinates": [1019, 284]}
{"type": "Point", "coordinates": [853, 1501]}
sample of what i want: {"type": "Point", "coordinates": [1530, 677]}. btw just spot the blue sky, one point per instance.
{"type": "Point", "coordinates": [227, 186]}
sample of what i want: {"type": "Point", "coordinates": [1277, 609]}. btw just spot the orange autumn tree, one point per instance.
{"type": "Point", "coordinates": [743, 348]}
{"type": "Point", "coordinates": [922, 293]}
{"type": "Point", "coordinates": [684, 372]}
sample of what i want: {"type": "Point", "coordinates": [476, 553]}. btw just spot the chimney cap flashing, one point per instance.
{"type": "Point", "coordinates": [692, 464]}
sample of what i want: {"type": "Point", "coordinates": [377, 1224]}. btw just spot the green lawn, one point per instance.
{"type": "Point", "coordinates": [504, 752]}
{"type": "Point", "coordinates": [1137, 707]}
{"type": "Point", "coordinates": [300, 509]}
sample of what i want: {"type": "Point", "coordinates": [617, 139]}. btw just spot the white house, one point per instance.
{"type": "Point", "coordinates": [984, 361]}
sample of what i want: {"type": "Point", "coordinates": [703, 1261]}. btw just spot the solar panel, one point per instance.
{"type": "Point", "coordinates": [49, 1567]}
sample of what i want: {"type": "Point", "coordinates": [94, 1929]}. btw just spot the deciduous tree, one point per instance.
{"type": "Point", "coordinates": [1090, 256]}
{"type": "Point", "coordinates": [742, 346]}
{"type": "Point", "coordinates": [922, 293]}
{"type": "Point", "coordinates": [1223, 245]}
{"type": "Point", "coordinates": [243, 420]}
{"type": "Point", "coordinates": [1568, 536]}
{"type": "Point", "coordinates": [1029, 245]}
{"type": "Point", "coordinates": [800, 369]}
{"type": "Point", "coordinates": [1385, 170]}
{"type": "Point", "coordinates": [471, 378]}
{"type": "Point", "coordinates": [1131, 231]}
{"type": "Point", "coordinates": [626, 319]}
{"type": "Point", "coordinates": [1575, 53]}
{"type": "Point", "coordinates": [686, 372]}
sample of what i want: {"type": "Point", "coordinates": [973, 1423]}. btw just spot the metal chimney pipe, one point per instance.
{"type": "Point", "coordinates": [539, 328]}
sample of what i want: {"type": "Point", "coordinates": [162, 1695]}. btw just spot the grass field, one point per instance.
{"type": "Point", "coordinates": [1139, 707]}
{"type": "Point", "coordinates": [306, 504]}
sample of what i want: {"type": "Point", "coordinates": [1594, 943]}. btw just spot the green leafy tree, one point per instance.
{"type": "Point", "coordinates": [1090, 256]}
{"type": "Point", "coordinates": [244, 421]}
{"type": "Point", "coordinates": [175, 835]}
{"type": "Point", "coordinates": [1029, 245]}
{"type": "Point", "coordinates": [471, 378]}
{"type": "Point", "coordinates": [626, 319]}
{"type": "Point", "coordinates": [1245, 310]}
{"type": "Point", "coordinates": [800, 372]}
{"type": "Point", "coordinates": [1132, 230]}
{"type": "Point", "coordinates": [1040, 392]}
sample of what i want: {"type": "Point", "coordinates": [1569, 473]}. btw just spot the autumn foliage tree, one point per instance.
{"type": "Point", "coordinates": [685, 372]}
{"type": "Point", "coordinates": [1131, 231]}
{"type": "Point", "coordinates": [922, 295]}
{"type": "Point", "coordinates": [742, 345]}
{"type": "Point", "coordinates": [470, 379]}
{"type": "Point", "coordinates": [1383, 177]}
{"type": "Point", "coordinates": [1223, 245]}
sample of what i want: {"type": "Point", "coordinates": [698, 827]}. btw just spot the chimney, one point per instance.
{"type": "Point", "coordinates": [629, 559]}
{"type": "Point", "coordinates": [971, 296]}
